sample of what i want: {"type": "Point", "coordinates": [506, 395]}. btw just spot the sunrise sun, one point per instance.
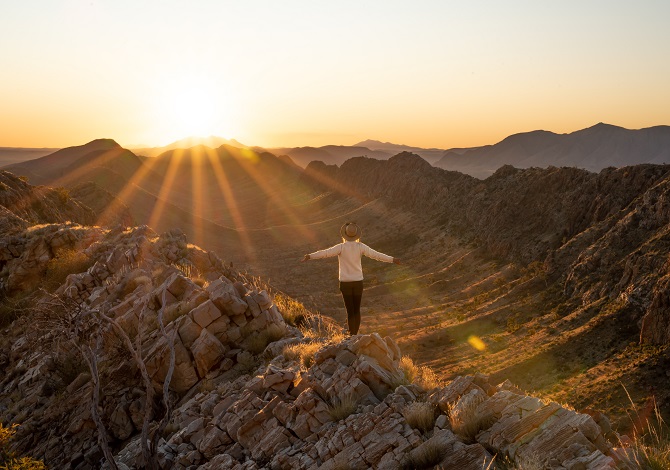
{"type": "Point", "coordinates": [192, 107]}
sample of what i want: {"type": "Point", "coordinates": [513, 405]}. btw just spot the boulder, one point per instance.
{"type": "Point", "coordinates": [226, 298]}
{"type": "Point", "coordinates": [158, 362]}
{"type": "Point", "coordinates": [205, 313]}
{"type": "Point", "coordinates": [207, 352]}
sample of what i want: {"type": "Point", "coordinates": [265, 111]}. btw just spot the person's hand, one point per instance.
{"type": "Point", "coordinates": [305, 258]}
{"type": "Point", "coordinates": [397, 261]}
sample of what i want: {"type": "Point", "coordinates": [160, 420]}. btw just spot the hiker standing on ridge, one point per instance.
{"type": "Point", "coordinates": [349, 253]}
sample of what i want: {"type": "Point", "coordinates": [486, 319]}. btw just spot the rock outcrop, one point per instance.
{"type": "Point", "coordinates": [244, 401]}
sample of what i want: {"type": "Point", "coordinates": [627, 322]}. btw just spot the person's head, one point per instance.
{"type": "Point", "coordinates": [350, 232]}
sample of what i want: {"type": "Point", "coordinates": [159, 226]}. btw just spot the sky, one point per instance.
{"type": "Point", "coordinates": [426, 73]}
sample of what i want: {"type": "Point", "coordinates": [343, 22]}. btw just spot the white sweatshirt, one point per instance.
{"type": "Point", "coordinates": [349, 254]}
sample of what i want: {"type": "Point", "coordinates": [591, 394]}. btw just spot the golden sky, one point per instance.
{"type": "Point", "coordinates": [294, 73]}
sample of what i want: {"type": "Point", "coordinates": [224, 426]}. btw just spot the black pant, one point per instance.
{"type": "Point", "coordinates": [352, 293]}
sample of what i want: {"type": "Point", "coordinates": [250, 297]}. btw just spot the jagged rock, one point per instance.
{"type": "Point", "coordinates": [189, 330]}
{"type": "Point", "coordinates": [207, 351]}
{"type": "Point", "coordinates": [158, 360]}
{"type": "Point", "coordinates": [120, 423]}
{"type": "Point", "coordinates": [226, 298]}
{"type": "Point", "coordinates": [447, 396]}
{"type": "Point", "coordinates": [205, 313]}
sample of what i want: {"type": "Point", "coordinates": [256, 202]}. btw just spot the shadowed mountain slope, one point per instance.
{"type": "Point", "coordinates": [431, 155]}
{"type": "Point", "coordinates": [329, 154]}
{"type": "Point", "coordinates": [28, 205]}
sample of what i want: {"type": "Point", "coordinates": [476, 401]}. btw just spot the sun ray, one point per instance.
{"type": "Point", "coordinates": [198, 189]}
{"type": "Point", "coordinates": [124, 196]}
{"type": "Point", "coordinates": [248, 159]}
{"type": "Point", "coordinates": [170, 175]}
{"type": "Point", "coordinates": [230, 202]}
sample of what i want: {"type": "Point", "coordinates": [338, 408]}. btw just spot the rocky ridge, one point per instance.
{"type": "Point", "coordinates": [37, 204]}
{"type": "Point", "coordinates": [242, 401]}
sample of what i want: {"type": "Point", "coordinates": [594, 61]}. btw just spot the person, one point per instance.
{"type": "Point", "coordinates": [349, 253]}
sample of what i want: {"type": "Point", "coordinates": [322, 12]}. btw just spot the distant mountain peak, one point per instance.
{"type": "Point", "coordinates": [601, 126]}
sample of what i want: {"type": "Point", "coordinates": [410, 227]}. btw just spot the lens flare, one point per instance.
{"type": "Point", "coordinates": [476, 342]}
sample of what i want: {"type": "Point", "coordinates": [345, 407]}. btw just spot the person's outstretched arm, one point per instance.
{"type": "Point", "coordinates": [370, 253]}
{"type": "Point", "coordinates": [327, 253]}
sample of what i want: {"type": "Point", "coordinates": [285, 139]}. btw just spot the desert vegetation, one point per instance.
{"type": "Point", "coordinates": [8, 458]}
{"type": "Point", "coordinates": [341, 407]}
{"type": "Point", "coordinates": [420, 415]}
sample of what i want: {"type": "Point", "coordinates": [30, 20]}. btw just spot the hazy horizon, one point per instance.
{"type": "Point", "coordinates": [430, 74]}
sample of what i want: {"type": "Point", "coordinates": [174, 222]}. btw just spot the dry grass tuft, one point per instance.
{"type": "Point", "coordinates": [291, 309]}
{"type": "Point", "coordinates": [304, 352]}
{"type": "Point", "coordinates": [409, 369]}
{"type": "Point", "coordinates": [422, 376]}
{"type": "Point", "coordinates": [340, 408]}
{"type": "Point", "coordinates": [464, 419]}
{"type": "Point", "coordinates": [256, 343]}
{"type": "Point", "coordinates": [527, 462]}
{"type": "Point", "coordinates": [134, 282]}
{"type": "Point", "coordinates": [420, 415]}
{"type": "Point", "coordinates": [426, 456]}
{"type": "Point", "coordinates": [316, 326]}
{"type": "Point", "coordinates": [651, 446]}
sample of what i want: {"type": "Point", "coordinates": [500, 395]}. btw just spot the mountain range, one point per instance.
{"type": "Point", "coordinates": [593, 149]}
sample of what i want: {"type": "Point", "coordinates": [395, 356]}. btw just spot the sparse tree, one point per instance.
{"type": "Point", "coordinates": [85, 328]}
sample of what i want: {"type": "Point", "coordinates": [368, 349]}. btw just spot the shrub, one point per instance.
{"type": "Point", "coordinates": [63, 195]}
{"type": "Point", "coordinates": [426, 456]}
{"type": "Point", "coordinates": [302, 351]}
{"type": "Point", "coordinates": [11, 307]}
{"type": "Point", "coordinates": [66, 262]}
{"type": "Point", "coordinates": [420, 415]}
{"type": "Point", "coordinates": [256, 343]}
{"type": "Point", "coordinates": [340, 408]}
{"type": "Point", "coordinates": [8, 459]}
